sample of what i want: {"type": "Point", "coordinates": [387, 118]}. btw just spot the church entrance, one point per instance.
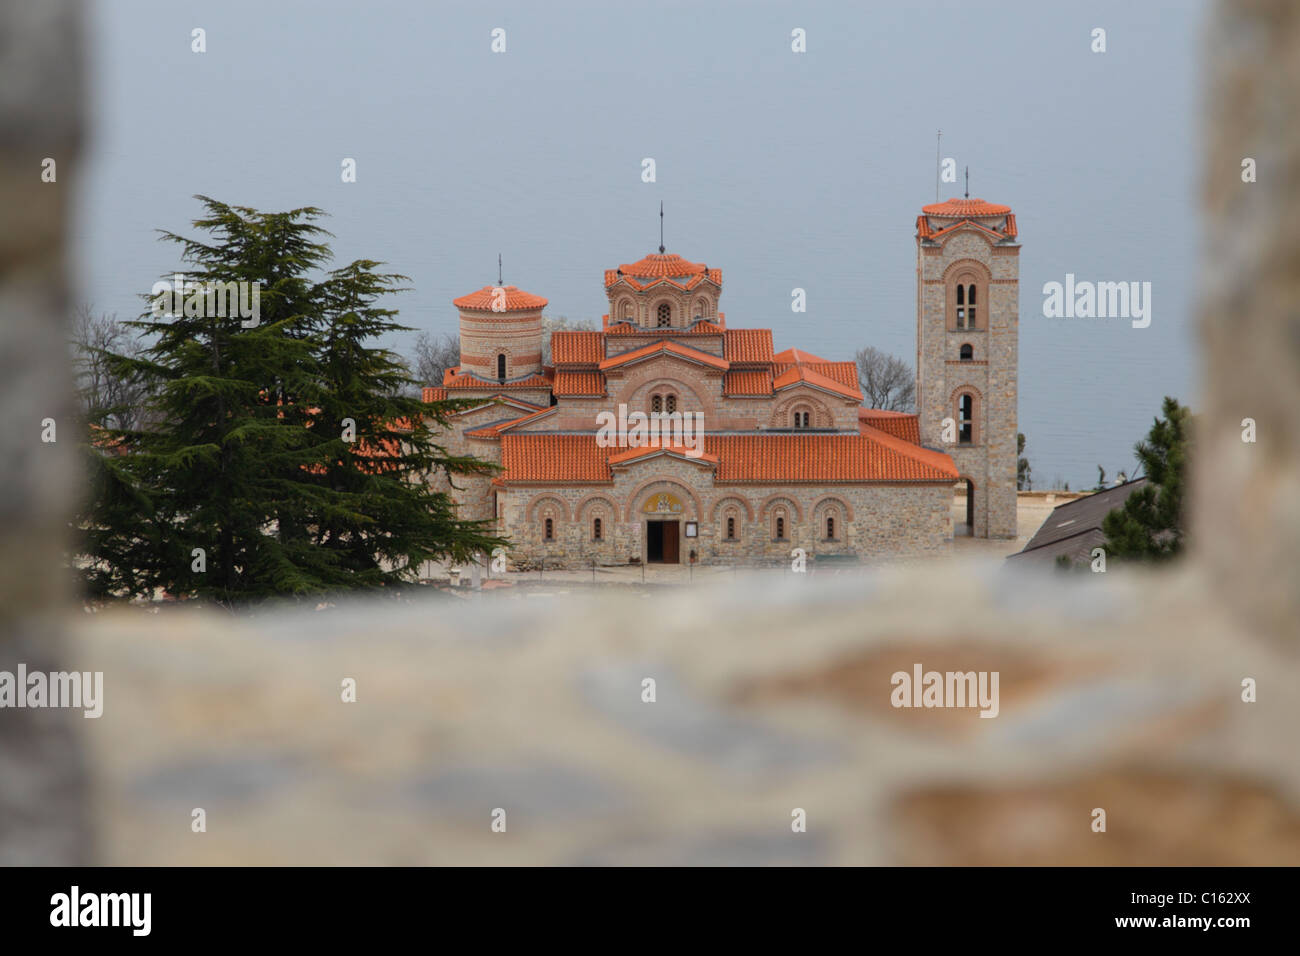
{"type": "Point", "coordinates": [662, 544]}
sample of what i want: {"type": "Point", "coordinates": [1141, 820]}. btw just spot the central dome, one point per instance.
{"type": "Point", "coordinates": [660, 266]}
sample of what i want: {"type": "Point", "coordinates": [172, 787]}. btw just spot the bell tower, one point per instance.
{"type": "Point", "coordinates": [967, 328]}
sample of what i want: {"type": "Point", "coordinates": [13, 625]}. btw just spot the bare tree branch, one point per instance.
{"type": "Point", "coordinates": [887, 382]}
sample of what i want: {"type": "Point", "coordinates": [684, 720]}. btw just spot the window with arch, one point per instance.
{"type": "Point", "coordinates": [501, 365]}
{"type": "Point", "coordinates": [702, 308]}
{"type": "Point", "coordinates": [597, 530]}
{"type": "Point", "coordinates": [627, 310]}
{"type": "Point", "coordinates": [966, 418]}
{"type": "Point", "coordinates": [779, 530]}
{"type": "Point", "coordinates": [967, 352]}
{"type": "Point", "coordinates": [731, 528]}
{"type": "Point", "coordinates": [830, 527]}
{"type": "Point", "coordinates": [549, 533]}
{"type": "Point", "coordinates": [657, 403]}
{"type": "Point", "coordinates": [802, 418]}
{"type": "Point", "coordinates": [664, 315]}
{"type": "Point", "coordinates": [670, 403]}
{"type": "Point", "coordinates": [964, 300]}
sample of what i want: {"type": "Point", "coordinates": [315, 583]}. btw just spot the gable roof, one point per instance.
{"type": "Point", "coordinates": [901, 425]}
{"type": "Point", "coordinates": [819, 375]}
{"type": "Point", "coordinates": [665, 347]}
{"type": "Point", "coordinates": [1074, 528]}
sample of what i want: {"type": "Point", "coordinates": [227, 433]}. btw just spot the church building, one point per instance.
{"type": "Point", "coordinates": [788, 457]}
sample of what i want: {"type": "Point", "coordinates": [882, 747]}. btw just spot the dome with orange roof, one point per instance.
{"type": "Point", "coordinates": [965, 209]}
{"type": "Point", "coordinates": [487, 299]}
{"type": "Point", "coordinates": [661, 266]}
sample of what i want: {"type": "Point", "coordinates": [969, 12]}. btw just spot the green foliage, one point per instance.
{"type": "Point", "coordinates": [244, 453]}
{"type": "Point", "coordinates": [1150, 524]}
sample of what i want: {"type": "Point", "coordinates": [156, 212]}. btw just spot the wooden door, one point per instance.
{"type": "Point", "coordinates": [671, 549]}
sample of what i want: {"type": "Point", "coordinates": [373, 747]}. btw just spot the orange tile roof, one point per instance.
{"type": "Point", "coordinates": [965, 208]}
{"type": "Point", "coordinates": [748, 345]}
{"type": "Point", "coordinates": [797, 356]}
{"type": "Point", "coordinates": [659, 266]}
{"type": "Point", "coordinates": [901, 425]}
{"type": "Point", "coordinates": [633, 454]}
{"type": "Point", "coordinates": [453, 378]}
{"type": "Point", "coordinates": [825, 458]}
{"type": "Point", "coordinates": [579, 383]}
{"type": "Point", "coordinates": [965, 224]}
{"type": "Point", "coordinates": [494, 431]}
{"type": "Point", "coordinates": [516, 300]}
{"type": "Point", "coordinates": [832, 376]}
{"type": "Point", "coordinates": [577, 347]}
{"type": "Point", "coordinates": [702, 327]}
{"type": "Point", "coordinates": [747, 382]}
{"type": "Point", "coordinates": [557, 459]}
{"type": "Point", "coordinates": [432, 393]}
{"type": "Point", "coordinates": [767, 459]}
{"type": "Point", "coordinates": [673, 348]}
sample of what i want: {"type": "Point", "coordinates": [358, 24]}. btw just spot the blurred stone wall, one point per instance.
{"type": "Point", "coordinates": [41, 774]}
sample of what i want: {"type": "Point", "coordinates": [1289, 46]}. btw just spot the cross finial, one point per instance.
{"type": "Point", "coordinates": [968, 182]}
{"type": "Point", "coordinates": [661, 227]}
{"type": "Point", "coordinates": [500, 281]}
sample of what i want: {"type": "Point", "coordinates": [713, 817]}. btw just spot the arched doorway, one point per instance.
{"type": "Point", "coordinates": [662, 515]}
{"type": "Point", "coordinates": [964, 509]}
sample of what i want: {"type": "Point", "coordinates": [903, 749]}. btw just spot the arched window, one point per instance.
{"type": "Point", "coordinates": [780, 527]}
{"type": "Point", "coordinates": [830, 527]}
{"type": "Point", "coordinates": [731, 529]}
{"type": "Point", "coordinates": [967, 353]}
{"type": "Point", "coordinates": [501, 366]}
{"type": "Point", "coordinates": [627, 310]}
{"type": "Point", "coordinates": [550, 529]}
{"type": "Point", "coordinates": [962, 298]}
{"type": "Point", "coordinates": [701, 308]}
{"type": "Point", "coordinates": [966, 418]}
{"type": "Point", "coordinates": [670, 403]}
{"type": "Point", "coordinates": [802, 418]}
{"type": "Point", "coordinates": [657, 403]}
{"type": "Point", "coordinates": [665, 315]}
{"type": "Point", "coordinates": [597, 530]}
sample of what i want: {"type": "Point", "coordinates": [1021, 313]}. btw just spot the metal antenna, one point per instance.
{"type": "Point", "coordinates": [938, 163]}
{"type": "Point", "coordinates": [500, 281]}
{"type": "Point", "coordinates": [968, 182]}
{"type": "Point", "coordinates": [661, 227]}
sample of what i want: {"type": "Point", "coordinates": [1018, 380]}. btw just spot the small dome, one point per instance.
{"type": "Point", "coordinates": [660, 266]}
{"type": "Point", "coordinates": [517, 300]}
{"type": "Point", "coordinates": [965, 209]}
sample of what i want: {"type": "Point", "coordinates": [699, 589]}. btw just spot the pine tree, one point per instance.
{"type": "Point", "coordinates": [1150, 526]}
{"type": "Point", "coordinates": [241, 456]}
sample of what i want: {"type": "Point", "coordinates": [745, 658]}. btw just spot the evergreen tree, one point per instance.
{"type": "Point", "coordinates": [1150, 526]}
{"type": "Point", "coordinates": [242, 456]}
